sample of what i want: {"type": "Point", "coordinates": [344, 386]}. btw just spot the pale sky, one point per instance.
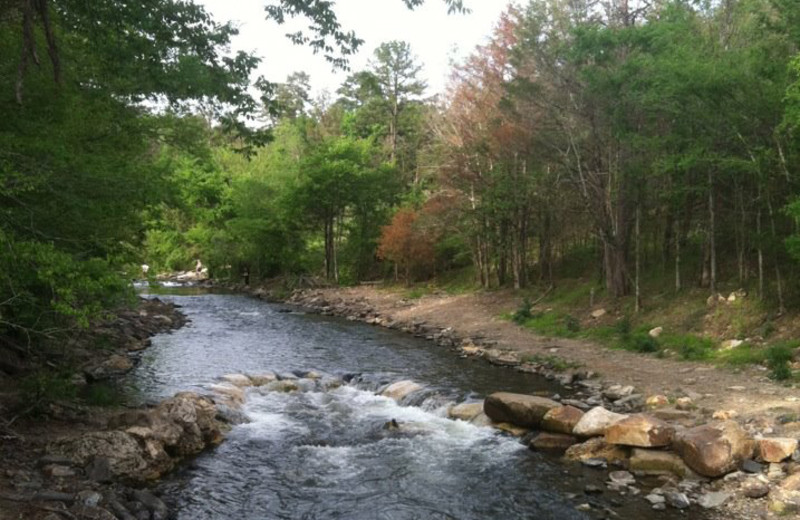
{"type": "Point", "coordinates": [435, 36]}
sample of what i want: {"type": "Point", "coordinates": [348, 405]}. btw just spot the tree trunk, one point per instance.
{"type": "Point", "coordinates": [712, 235]}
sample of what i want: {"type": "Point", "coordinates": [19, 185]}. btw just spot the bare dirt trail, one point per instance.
{"type": "Point", "coordinates": [749, 392]}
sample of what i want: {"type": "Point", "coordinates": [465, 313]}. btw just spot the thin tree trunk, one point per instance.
{"type": "Point", "coordinates": [760, 254]}
{"type": "Point", "coordinates": [677, 257]}
{"type": "Point", "coordinates": [778, 279]}
{"type": "Point", "coordinates": [638, 259]}
{"type": "Point", "coordinates": [711, 234]}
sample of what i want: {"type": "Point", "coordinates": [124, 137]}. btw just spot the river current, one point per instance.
{"type": "Point", "coordinates": [322, 454]}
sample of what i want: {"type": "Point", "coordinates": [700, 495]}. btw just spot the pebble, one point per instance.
{"type": "Point", "coordinates": [595, 463]}
{"type": "Point", "coordinates": [592, 489]}
{"type": "Point", "coordinates": [677, 500]}
{"type": "Point", "coordinates": [751, 466]}
{"type": "Point", "coordinates": [624, 478]}
{"type": "Point", "coordinates": [755, 489]}
{"type": "Point", "coordinates": [655, 499]}
{"type": "Point", "coordinates": [583, 507]}
{"type": "Point", "coordinates": [714, 499]}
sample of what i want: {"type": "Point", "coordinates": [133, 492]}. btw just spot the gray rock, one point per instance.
{"type": "Point", "coordinates": [99, 470]}
{"type": "Point", "coordinates": [655, 499]}
{"type": "Point", "coordinates": [677, 500]}
{"type": "Point", "coordinates": [751, 466]}
{"type": "Point", "coordinates": [54, 496]}
{"type": "Point", "coordinates": [90, 498]}
{"type": "Point", "coordinates": [623, 478]}
{"type": "Point", "coordinates": [754, 488]}
{"type": "Point", "coordinates": [713, 500]}
{"type": "Point", "coordinates": [154, 504]}
{"type": "Point", "coordinates": [592, 489]}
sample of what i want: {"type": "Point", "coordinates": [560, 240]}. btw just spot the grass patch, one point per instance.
{"type": "Point", "coordinates": [744, 354]}
{"type": "Point", "coordinates": [103, 394]}
{"type": "Point", "coordinates": [553, 324]}
{"type": "Point", "coordinates": [554, 363]}
{"type": "Point", "coordinates": [778, 357]}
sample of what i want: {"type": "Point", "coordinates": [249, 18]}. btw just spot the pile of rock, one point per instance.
{"type": "Point", "coordinates": [142, 445]}
{"type": "Point", "coordinates": [691, 460]}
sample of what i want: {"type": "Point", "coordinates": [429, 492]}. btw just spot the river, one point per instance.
{"type": "Point", "coordinates": [326, 454]}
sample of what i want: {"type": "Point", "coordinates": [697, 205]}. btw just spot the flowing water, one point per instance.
{"type": "Point", "coordinates": [325, 453]}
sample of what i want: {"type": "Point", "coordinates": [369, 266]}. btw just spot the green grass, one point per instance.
{"type": "Point", "coordinates": [553, 324]}
{"type": "Point", "coordinates": [554, 363]}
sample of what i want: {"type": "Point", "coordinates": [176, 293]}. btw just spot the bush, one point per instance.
{"type": "Point", "coordinates": [778, 358]}
{"type": "Point", "coordinates": [572, 323]}
{"type": "Point", "coordinates": [643, 343]}
{"type": "Point", "coordinates": [623, 327]}
{"type": "Point", "coordinates": [523, 313]}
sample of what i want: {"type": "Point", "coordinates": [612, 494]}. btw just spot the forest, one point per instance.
{"type": "Point", "coordinates": [647, 146]}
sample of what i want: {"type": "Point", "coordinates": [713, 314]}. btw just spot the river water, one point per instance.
{"type": "Point", "coordinates": [324, 454]}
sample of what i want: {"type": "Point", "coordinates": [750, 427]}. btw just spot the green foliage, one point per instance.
{"type": "Point", "coordinates": [554, 363]}
{"type": "Point", "coordinates": [778, 357]}
{"type": "Point", "coordinates": [42, 387]}
{"type": "Point", "coordinates": [523, 313]}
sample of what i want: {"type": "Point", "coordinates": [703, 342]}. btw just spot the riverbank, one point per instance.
{"type": "Point", "coordinates": [685, 394]}
{"type": "Point", "coordinates": [69, 457]}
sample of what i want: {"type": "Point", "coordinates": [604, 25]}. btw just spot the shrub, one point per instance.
{"type": "Point", "coordinates": [643, 343]}
{"type": "Point", "coordinates": [572, 323]}
{"type": "Point", "coordinates": [778, 358]}
{"type": "Point", "coordinates": [523, 313]}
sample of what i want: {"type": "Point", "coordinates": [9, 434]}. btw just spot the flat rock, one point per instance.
{"type": "Point", "coordinates": [776, 449]}
{"type": "Point", "coordinates": [401, 389]}
{"type": "Point", "coordinates": [657, 401]}
{"type": "Point", "coordinates": [713, 499]}
{"type": "Point", "coordinates": [596, 448]}
{"type": "Point", "coordinates": [229, 391]}
{"type": "Point", "coordinates": [465, 411]}
{"type": "Point", "coordinates": [677, 499]}
{"type": "Point", "coordinates": [552, 442]}
{"type": "Point", "coordinates": [562, 419]}
{"type": "Point", "coordinates": [712, 450]}
{"type": "Point", "coordinates": [640, 430]}
{"type": "Point", "coordinates": [240, 380]}
{"type": "Point", "coordinates": [652, 462]}
{"type": "Point", "coordinates": [622, 478]}
{"type": "Point", "coordinates": [511, 429]}
{"type": "Point", "coordinates": [262, 378]}
{"type": "Point", "coordinates": [520, 409]}
{"type": "Point", "coordinates": [595, 422]}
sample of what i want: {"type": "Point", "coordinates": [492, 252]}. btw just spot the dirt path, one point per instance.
{"type": "Point", "coordinates": [749, 392]}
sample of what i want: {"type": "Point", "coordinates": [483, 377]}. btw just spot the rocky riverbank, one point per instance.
{"type": "Point", "coordinates": [736, 465]}
{"type": "Point", "coordinates": [74, 460]}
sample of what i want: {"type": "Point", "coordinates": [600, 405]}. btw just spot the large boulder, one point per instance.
{"type": "Point", "coordinates": [143, 444]}
{"type": "Point", "coordinates": [562, 419]}
{"type": "Point", "coordinates": [597, 448]}
{"type": "Point", "coordinates": [640, 430]}
{"type": "Point", "coordinates": [124, 455]}
{"type": "Point", "coordinates": [715, 449]}
{"type": "Point", "coordinates": [520, 409]}
{"type": "Point", "coordinates": [595, 422]}
{"type": "Point", "coordinates": [776, 450]}
{"type": "Point", "coordinates": [400, 390]}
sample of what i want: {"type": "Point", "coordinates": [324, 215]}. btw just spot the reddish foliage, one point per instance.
{"type": "Point", "coordinates": [406, 243]}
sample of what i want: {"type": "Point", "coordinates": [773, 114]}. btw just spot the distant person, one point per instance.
{"type": "Point", "coordinates": [246, 275]}
{"type": "Point", "coordinates": [198, 266]}
{"type": "Point", "coordinates": [145, 270]}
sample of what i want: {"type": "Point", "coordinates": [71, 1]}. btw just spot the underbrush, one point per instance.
{"type": "Point", "coordinates": [624, 334]}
